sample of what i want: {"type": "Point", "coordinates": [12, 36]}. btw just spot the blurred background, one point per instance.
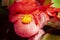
{"type": "Point", "coordinates": [52, 28]}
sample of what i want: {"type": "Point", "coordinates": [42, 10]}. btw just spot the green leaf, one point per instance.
{"type": "Point", "coordinates": [50, 37]}
{"type": "Point", "coordinates": [56, 3]}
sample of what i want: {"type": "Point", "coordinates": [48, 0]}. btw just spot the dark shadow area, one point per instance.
{"type": "Point", "coordinates": [6, 28]}
{"type": "Point", "coordinates": [51, 30]}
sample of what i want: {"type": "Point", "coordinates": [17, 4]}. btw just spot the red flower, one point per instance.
{"type": "Point", "coordinates": [29, 18]}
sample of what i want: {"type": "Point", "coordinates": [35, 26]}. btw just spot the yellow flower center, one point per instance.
{"type": "Point", "coordinates": [26, 19]}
